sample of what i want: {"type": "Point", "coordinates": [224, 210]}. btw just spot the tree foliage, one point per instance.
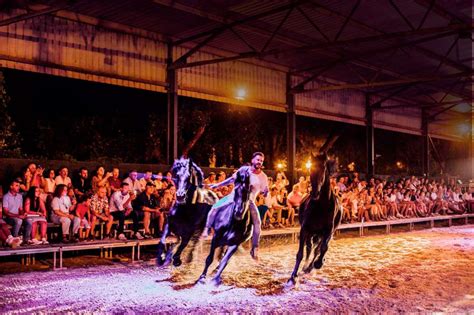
{"type": "Point", "coordinates": [10, 139]}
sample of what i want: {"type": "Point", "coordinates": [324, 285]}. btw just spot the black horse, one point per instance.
{"type": "Point", "coordinates": [232, 225]}
{"type": "Point", "coordinates": [320, 215]}
{"type": "Point", "coordinates": [189, 213]}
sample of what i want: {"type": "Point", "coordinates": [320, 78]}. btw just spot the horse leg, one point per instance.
{"type": "Point", "coordinates": [177, 256]}
{"type": "Point", "coordinates": [309, 247]}
{"type": "Point", "coordinates": [161, 247]}
{"type": "Point", "coordinates": [230, 251]}
{"type": "Point", "coordinates": [209, 260]}
{"type": "Point", "coordinates": [299, 257]}
{"type": "Point", "coordinates": [324, 248]}
{"type": "Point", "coordinates": [192, 245]}
{"type": "Point", "coordinates": [317, 248]}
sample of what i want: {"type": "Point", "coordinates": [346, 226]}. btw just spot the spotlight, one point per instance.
{"type": "Point", "coordinates": [241, 94]}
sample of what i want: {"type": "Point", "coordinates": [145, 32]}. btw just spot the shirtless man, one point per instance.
{"type": "Point", "coordinates": [258, 184]}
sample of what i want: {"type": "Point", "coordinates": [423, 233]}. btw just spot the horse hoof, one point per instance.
{"type": "Point", "coordinates": [160, 262]}
{"type": "Point", "coordinates": [318, 264]}
{"type": "Point", "coordinates": [216, 282]}
{"type": "Point", "coordinates": [291, 284]}
{"type": "Point", "coordinates": [308, 270]}
{"type": "Point", "coordinates": [201, 280]}
{"type": "Point", "coordinates": [177, 262]}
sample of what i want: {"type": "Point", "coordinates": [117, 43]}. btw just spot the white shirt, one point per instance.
{"type": "Point", "coordinates": [50, 185]}
{"type": "Point", "coordinates": [63, 204]}
{"type": "Point", "coordinates": [117, 201]}
{"type": "Point", "coordinates": [258, 184]}
{"type": "Point", "coordinates": [134, 186]}
{"type": "Point", "coordinates": [271, 201]}
{"type": "Point", "coordinates": [65, 181]}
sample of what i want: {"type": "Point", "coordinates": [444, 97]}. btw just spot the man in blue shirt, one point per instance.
{"type": "Point", "coordinates": [13, 210]}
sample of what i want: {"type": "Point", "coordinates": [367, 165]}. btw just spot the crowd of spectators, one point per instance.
{"type": "Point", "coordinates": [378, 199]}
{"type": "Point", "coordinates": [78, 205]}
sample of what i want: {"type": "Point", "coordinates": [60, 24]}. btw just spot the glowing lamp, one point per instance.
{"type": "Point", "coordinates": [241, 94]}
{"type": "Point", "coordinates": [308, 165]}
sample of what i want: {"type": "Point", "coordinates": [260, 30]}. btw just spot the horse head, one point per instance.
{"type": "Point", "coordinates": [186, 174]}
{"type": "Point", "coordinates": [318, 173]}
{"type": "Point", "coordinates": [241, 193]}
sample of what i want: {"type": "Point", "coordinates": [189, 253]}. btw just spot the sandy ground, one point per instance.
{"type": "Point", "coordinates": [423, 271]}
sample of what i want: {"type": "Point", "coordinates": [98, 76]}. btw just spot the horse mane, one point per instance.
{"type": "Point", "coordinates": [331, 166]}
{"type": "Point", "coordinates": [198, 173]}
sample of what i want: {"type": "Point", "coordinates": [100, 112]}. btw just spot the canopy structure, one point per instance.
{"type": "Point", "coordinates": [397, 65]}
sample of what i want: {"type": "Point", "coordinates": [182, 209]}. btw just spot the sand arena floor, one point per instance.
{"type": "Point", "coordinates": [423, 271]}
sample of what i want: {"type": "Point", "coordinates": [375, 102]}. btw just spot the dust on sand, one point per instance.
{"type": "Point", "coordinates": [422, 271]}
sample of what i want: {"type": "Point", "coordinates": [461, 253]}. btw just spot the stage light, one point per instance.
{"type": "Point", "coordinates": [399, 164]}
{"type": "Point", "coordinates": [241, 94]}
{"type": "Point", "coordinates": [463, 108]}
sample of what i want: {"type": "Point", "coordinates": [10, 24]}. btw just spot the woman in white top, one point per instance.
{"type": "Point", "coordinates": [63, 210]}
{"type": "Point", "coordinates": [49, 185]}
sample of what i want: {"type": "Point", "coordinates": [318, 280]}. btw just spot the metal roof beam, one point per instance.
{"type": "Point", "coordinates": [31, 15]}
{"type": "Point", "coordinates": [382, 83]}
{"type": "Point", "coordinates": [407, 21]}
{"type": "Point", "coordinates": [369, 52]}
{"type": "Point", "coordinates": [348, 18]}
{"type": "Point", "coordinates": [423, 105]}
{"type": "Point", "coordinates": [433, 116]}
{"type": "Point", "coordinates": [244, 20]}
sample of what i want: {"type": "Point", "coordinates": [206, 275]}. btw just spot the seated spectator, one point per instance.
{"type": "Point", "coordinates": [37, 174]}
{"type": "Point", "coordinates": [282, 201]}
{"type": "Point", "coordinates": [25, 181]}
{"type": "Point", "coordinates": [211, 179]}
{"type": "Point", "coordinates": [167, 200]}
{"type": "Point", "coordinates": [223, 190]}
{"type": "Point", "coordinates": [121, 207]}
{"type": "Point", "coordinates": [261, 206]}
{"type": "Point", "coordinates": [295, 197]}
{"type": "Point", "coordinates": [468, 197]}
{"type": "Point", "coordinates": [341, 185]}
{"type": "Point", "coordinates": [71, 194]}
{"type": "Point", "coordinates": [133, 183]}
{"type": "Point", "coordinates": [273, 208]}
{"type": "Point", "coordinates": [147, 178]}
{"type": "Point", "coordinates": [100, 212]}
{"type": "Point", "coordinates": [6, 237]}
{"type": "Point", "coordinates": [84, 214]}
{"type": "Point", "coordinates": [146, 208]}
{"type": "Point", "coordinates": [281, 180]}
{"type": "Point", "coordinates": [63, 209]}
{"type": "Point", "coordinates": [35, 212]}
{"type": "Point", "coordinates": [13, 211]}
{"type": "Point", "coordinates": [101, 179]}
{"type": "Point", "coordinates": [49, 184]}
{"type": "Point", "coordinates": [158, 181]}
{"type": "Point", "coordinates": [114, 181]}
{"type": "Point", "coordinates": [63, 178]}
{"type": "Point", "coordinates": [82, 184]}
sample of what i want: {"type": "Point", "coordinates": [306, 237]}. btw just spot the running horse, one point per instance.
{"type": "Point", "coordinates": [188, 215]}
{"type": "Point", "coordinates": [320, 213]}
{"type": "Point", "coordinates": [232, 225]}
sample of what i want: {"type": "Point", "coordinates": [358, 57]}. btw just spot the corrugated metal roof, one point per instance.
{"type": "Point", "coordinates": [182, 18]}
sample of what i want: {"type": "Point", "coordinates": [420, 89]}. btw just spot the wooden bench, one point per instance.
{"type": "Point", "coordinates": [29, 253]}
